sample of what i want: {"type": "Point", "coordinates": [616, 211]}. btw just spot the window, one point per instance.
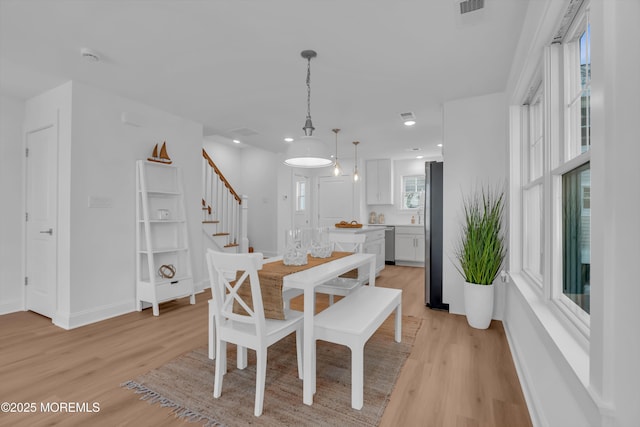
{"type": "Point", "coordinates": [412, 190]}
{"type": "Point", "coordinates": [533, 232]}
{"type": "Point", "coordinates": [555, 142]}
{"type": "Point", "coordinates": [576, 228]}
{"type": "Point", "coordinates": [536, 136]}
{"type": "Point", "coordinates": [573, 290]}
{"type": "Point", "coordinates": [578, 93]}
{"type": "Point", "coordinates": [301, 196]}
{"type": "Point", "coordinates": [533, 201]}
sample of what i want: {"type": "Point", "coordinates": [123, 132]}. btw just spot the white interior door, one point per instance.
{"type": "Point", "coordinates": [41, 229]}
{"type": "Point", "coordinates": [335, 200]}
{"type": "Point", "coordinates": [302, 203]}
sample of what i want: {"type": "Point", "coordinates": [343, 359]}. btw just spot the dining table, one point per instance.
{"type": "Point", "coordinates": [307, 280]}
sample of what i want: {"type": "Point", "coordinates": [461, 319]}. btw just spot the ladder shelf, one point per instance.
{"type": "Point", "coordinates": [163, 258]}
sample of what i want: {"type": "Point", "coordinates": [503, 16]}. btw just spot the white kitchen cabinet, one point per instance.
{"type": "Point", "coordinates": [379, 182]}
{"type": "Point", "coordinates": [410, 244]}
{"type": "Point", "coordinates": [374, 244]}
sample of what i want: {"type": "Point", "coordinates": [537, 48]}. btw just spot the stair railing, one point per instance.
{"type": "Point", "coordinates": [222, 206]}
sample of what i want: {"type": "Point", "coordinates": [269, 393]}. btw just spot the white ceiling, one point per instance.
{"type": "Point", "coordinates": [236, 64]}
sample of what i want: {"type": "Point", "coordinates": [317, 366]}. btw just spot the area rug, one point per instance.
{"type": "Point", "coordinates": [185, 384]}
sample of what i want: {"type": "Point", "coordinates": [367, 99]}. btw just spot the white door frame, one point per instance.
{"type": "Point", "coordinates": [48, 309]}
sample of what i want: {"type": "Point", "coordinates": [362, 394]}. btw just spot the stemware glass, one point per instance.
{"type": "Point", "coordinates": [297, 243]}
{"type": "Point", "coordinates": [321, 245]}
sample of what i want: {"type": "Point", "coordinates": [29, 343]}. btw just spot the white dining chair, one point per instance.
{"type": "Point", "coordinates": [251, 330]}
{"type": "Point", "coordinates": [344, 242]}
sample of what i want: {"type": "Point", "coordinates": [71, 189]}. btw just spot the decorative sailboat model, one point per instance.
{"type": "Point", "coordinates": [163, 157]}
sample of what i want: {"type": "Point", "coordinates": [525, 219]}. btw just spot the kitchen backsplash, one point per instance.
{"type": "Point", "coordinates": [392, 215]}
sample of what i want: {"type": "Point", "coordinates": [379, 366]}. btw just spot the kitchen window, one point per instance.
{"type": "Point", "coordinates": [412, 191]}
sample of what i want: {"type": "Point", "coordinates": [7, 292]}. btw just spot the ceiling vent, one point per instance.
{"type": "Point", "coordinates": [243, 131]}
{"type": "Point", "coordinates": [89, 55]}
{"type": "Point", "coordinates": [470, 5]}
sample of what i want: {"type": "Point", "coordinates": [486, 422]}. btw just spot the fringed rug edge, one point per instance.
{"type": "Point", "coordinates": [181, 412]}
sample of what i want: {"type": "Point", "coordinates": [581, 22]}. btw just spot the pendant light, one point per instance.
{"type": "Point", "coordinates": [308, 151]}
{"type": "Point", "coordinates": [337, 170]}
{"type": "Point", "coordinates": [356, 177]}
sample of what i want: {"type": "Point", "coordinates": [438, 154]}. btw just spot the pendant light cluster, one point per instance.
{"type": "Point", "coordinates": [308, 151]}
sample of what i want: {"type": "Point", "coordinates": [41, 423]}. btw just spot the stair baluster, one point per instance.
{"type": "Point", "coordinates": [221, 206]}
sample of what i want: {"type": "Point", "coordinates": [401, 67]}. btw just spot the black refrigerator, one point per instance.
{"type": "Point", "coordinates": [433, 236]}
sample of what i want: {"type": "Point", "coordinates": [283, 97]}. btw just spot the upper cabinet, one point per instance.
{"type": "Point", "coordinates": [379, 182]}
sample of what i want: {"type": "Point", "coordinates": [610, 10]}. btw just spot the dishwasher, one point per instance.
{"type": "Point", "coordinates": [390, 245]}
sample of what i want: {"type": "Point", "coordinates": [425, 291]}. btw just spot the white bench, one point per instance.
{"type": "Point", "coordinates": [353, 320]}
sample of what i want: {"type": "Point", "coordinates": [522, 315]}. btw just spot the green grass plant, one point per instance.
{"type": "Point", "coordinates": [481, 248]}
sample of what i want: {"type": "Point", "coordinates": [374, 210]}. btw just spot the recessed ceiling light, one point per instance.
{"type": "Point", "coordinates": [439, 145]}
{"type": "Point", "coordinates": [419, 157]}
{"type": "Point", "coordinates": [235, 141]}
{"type": "Point", "coordinates": [288, 139]}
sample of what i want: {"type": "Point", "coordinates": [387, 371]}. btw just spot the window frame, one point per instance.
{"type": "Point", "coordinates": [561, 153]}
{"type": "Point", "coordinates": [301, 195]}
{"type": "Point", "coordinates": [403, 193]}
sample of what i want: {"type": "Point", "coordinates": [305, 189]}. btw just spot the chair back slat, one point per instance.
{"type": "Point", "coordinates": [347, 242]}
{"type": "Point", "coordinates": [227, 273]}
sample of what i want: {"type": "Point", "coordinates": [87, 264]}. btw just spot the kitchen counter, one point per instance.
{"type": "Point", "coordinates": [395, 225]}
{"type": "Point", "coordinates": [365, 229]}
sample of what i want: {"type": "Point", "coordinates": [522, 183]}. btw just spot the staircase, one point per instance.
{"type": "Point", "coordinates": [224, 212]}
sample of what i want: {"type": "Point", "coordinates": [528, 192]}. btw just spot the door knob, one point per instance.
{"type": "Point", "coordinates": [49, 232]}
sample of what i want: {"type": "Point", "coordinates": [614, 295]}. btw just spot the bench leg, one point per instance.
{"type": "Point", "coordinates": [299, 342]}
{"type": "Point", "coordinates": [357, 376]}
{"type": "Point", "coordinates": [399, 323]}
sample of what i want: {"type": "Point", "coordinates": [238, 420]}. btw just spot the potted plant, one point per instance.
{"type": "Point", "coordinates": [480, 253]}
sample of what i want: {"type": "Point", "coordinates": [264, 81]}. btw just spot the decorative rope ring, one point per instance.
{"type": "Point", "coordinates": [167, 271]}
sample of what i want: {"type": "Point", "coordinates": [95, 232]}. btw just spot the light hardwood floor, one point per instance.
{"type": "Point", "coordinates": [455, 376]}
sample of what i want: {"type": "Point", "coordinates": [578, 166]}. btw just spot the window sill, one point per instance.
{"type": "Point", "coordinates": [566, 338]}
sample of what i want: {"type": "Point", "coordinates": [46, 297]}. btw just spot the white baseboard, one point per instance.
{"type": "Point", "coordinates": [12, 306]}
{"type": "Point", "coordinates": [524, 378]}
{"type": "Point", "coordinates": [82, 318]}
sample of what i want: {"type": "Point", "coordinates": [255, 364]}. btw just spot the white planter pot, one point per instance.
{"type": "Point", "coordinates": [478, 304]}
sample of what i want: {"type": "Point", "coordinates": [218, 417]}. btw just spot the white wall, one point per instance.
{"type": "Point", "coordinates": [103, 155]}
{"type": "Point", "coordinates": [475, 153]}
{"type": "Point", "coordinates": [228, 159]}
{"type": "Point", "coordinates": [12, 212]}
{"type": "Point", "coordinates": [97, 154]}
{"type": "Point", "coordinates": [260, 184]}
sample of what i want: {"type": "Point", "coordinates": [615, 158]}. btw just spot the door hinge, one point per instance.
{"type": "Point", "coordinates": [26, 216]}
{"type": "Point", "coordinates": [26, 152]}
{"type": "Point", "coordinates": [26, 280]}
